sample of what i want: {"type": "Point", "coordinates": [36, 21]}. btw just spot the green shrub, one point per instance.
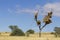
{"type": "Point", "coordinates": [52, 33]}
{"type": "Point", "coordinates": [57, 31]}
{"type": "Point", "coordinates": [27, 34]}
{"type": "Point", "coordinates": [30, 31]}
{"type": "Point", "coordinates": [16, 31]}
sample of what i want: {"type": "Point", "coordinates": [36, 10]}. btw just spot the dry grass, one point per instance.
{"type": "Point", "coordinates": [45, 36]}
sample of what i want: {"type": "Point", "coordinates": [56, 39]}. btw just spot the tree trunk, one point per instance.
{"type": "Point", "coordinates": [39, 31]}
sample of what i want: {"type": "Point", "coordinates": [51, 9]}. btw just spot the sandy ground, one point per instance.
{"type": "Point", "coordinates": [45, 36]}
{"type": "Point", "coordinates": [26, 38]}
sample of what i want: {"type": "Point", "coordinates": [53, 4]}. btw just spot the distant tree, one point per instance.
{"type": "Point", "coordinates": [57, 31]}
{"type": "Point", "coordinates": [16, 31]}
{"type": "Point", "coordinates": [46, 20]}
{"type": "Point", "coordinates": [52, 33]}
{"type": "Point", "coordinates": [6, 32]}
{"type": "Point", "coordinates": [0, 33]}
{"type": "Point", "coordinates": [27, 34]}
{"type": "Point", "coordinates": [30, 31]}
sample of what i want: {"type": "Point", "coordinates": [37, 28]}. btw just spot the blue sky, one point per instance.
{"type": "Point", "coordinates": [21, 13]}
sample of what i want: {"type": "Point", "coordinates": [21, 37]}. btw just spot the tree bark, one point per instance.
{"type": "Point", "coordinates": [43, 26]}
{"type": "Point", "coordinates": [39, 31]}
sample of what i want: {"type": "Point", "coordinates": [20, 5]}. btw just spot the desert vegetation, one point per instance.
{"type": "Point", "coordinates": [16, 31]}
{"type": "Point", "coordinates": [30, 31]}
{"type": "Point", "coordinates": [44, 36]}
{"type": "Point", "coordinates": [57, 31]}
{"type": "Point", "coordinates": [18, 34]}
{"type": "Point", "coordinates": [46, 20]}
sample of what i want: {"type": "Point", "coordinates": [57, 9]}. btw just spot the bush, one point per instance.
{"type": "Point", "coordinates": [16, 31]}
{"type": "Point", "coordinates": [57, 31]}
{"type": "Point", "coordinates": [27, 34]}
{"type": "Point", "coordinates": [52, 33]}
{"type": "Point", "coordinates": [30, 31]}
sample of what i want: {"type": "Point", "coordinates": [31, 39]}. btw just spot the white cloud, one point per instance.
{"type": "Point", "coordinates": [42, 9]}
{"type": "Point", "coordinates": [18, 9]}
{"type": "Point", "coordinates": [25, 11]}
{"type": "Point", "coordinates": [55, 7]}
